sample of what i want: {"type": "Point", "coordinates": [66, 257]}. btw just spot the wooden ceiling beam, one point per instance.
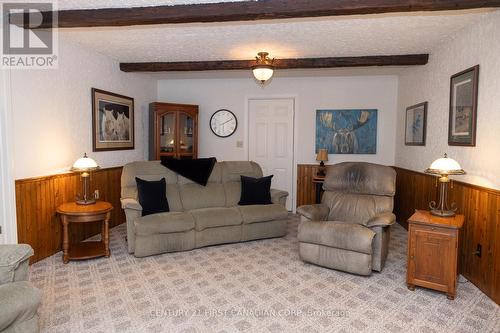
{"type": "Point", "coordinates": [243, 11]}
{"type": "Point", "coordinates": [331, 62]}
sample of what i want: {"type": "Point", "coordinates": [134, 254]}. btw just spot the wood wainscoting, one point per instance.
{"type": "Point", "coordinates": [481, 207]}
{"type": "Point", "coordinates": [38, 198]}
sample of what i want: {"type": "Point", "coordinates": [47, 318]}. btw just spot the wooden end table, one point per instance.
{"type": "Point", "coordinates": [71, 212]}
{"type": "Point", "coordinates": [433, 252]}
{"type": "Point", "coordinates": [318, 182]}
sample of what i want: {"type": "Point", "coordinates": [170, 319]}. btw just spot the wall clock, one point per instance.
{"type": "Point", "coordinates": [223, 123]}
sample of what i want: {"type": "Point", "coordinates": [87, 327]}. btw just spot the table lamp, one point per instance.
{"type": "Point", "coordinates": [443, 167]}
{"type": "Point", "coordinates": [322, 156]}
{"type": "Point", "coordinates": [85, 165]}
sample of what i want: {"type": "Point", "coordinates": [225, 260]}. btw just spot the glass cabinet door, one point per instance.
{"type": "Point", "coordinates": [186, 131]}
{"type": "Point", "coordinates": [167, 133]}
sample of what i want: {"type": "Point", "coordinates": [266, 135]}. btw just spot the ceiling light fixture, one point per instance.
{"type": "Point", "coordinates": [263, 70]}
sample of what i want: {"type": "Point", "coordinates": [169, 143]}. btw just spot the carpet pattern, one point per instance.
{"type": "Point", "coordinates": [259, 286]}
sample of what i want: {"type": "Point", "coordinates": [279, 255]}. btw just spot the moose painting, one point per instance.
{"type": "Point", "coordinates": [347, 131]}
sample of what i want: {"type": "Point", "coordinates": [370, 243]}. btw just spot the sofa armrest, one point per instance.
{"type": "Point", "coordinates": [381, 220]}
{"type": "Point", "coordinates": [278, 196]}
{"type": "Point", "coordinates": [129, 203]}
{"type": "Point", "coordinates": [317, 212]}
{"type": "Point", "coordinates": [14, 262]}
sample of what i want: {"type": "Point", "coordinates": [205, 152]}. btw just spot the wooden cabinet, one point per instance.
{"type": "Point", "coordinates": [173, 131]}
{"type": "Point", "coordinates": [433, 251]}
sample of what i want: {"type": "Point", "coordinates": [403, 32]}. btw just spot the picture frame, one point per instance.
{"type": "Point", "coordinates": [112, 121]}
{"type": "Point", "coordinates": [463, 108]}
{"type": "Point", "coordinates": [416, 124]}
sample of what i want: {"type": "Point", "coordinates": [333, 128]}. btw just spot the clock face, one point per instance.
{"type": "Point", "coordinates": [223, 123]}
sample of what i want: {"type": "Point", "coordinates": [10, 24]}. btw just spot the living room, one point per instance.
{"type": "Point", "coordinates": [393, 72]}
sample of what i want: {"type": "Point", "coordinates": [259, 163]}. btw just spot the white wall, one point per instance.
{"type": "Point", "coordinates": [379, 92]}
{"type": "Point", "coordinates": [7, 195]}
{"type": "Point", "coordinates": [477, 44]}
{"type": "Point", "coordinates": [52, 111]}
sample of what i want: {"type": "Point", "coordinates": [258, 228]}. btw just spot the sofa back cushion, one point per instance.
{"type": "Point", "coordinates": [150, 170]}
{"type": "Point", "coordinates": [231, 178]}
{"type": "Point", "coordinates": [194, 196]}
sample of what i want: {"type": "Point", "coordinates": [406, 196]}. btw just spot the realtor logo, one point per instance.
{"type": "Point", "coordinates": [28, 37]}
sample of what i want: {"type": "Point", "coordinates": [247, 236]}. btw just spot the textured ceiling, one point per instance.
{"type": "Point", "coordinates": [293, 38]}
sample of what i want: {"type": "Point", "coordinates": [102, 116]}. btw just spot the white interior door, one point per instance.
{"type": "Point", "coordinates": [270, 140]}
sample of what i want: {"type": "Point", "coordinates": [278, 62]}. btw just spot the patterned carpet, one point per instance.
{"type": "Point", "coordinates": [259, 286]}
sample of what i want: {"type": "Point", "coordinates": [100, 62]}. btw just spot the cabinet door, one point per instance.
{"type": "Point", "coordinates": [432, 260]}
{"type": "Point", "coordinates": [187, 135]}
{"type": "Point", "coordinates": [167, 134]}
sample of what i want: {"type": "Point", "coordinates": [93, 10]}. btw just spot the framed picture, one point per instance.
{"type": "Point", "coordinates": [416, 124]}
{"type": "Point", "coordinates": [463, 108]}
{"type": "Point", "coordinates": [112, 121]}
{"type": "Point", "coordinates": [347, 131]}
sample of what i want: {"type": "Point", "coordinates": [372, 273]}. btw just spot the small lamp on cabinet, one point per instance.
{"type": "Point", "coordinates": [85, 165]}
{"type": "Point", "coordinates": [443, 167]}
{"type": "Point", "coordinates": [322, 156]}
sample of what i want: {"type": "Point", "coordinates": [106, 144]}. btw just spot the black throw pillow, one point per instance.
{"type": "Point", "coordinates": [198, 170]}
{"type": "Point", "coordinates": [255, 191]}
{"type": "Point", "coordinates": [152, 196]}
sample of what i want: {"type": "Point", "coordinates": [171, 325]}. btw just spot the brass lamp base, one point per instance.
{"type": "Point", "coordinates": [442, 213]}
{"type": "Point", "coordinates": [321, 170]}
{"type": "Point", "coordinates": [441, 208]}
{"type": "Point", "coordinates": [85, 202]}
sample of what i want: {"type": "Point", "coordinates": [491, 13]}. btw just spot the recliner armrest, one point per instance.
{"type": "Point", "coordinates": [381, 220]}
{"type": "Point", "coordinates": [278, 196]}
{"type": "Point", "coordinates": [129, 203]}
{"type": "Point", "coordinates": [14, 262]}
{"type": "Point", "coordinates": [317, 212]}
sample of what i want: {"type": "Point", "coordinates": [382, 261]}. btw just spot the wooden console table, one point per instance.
{"type": "Point", "coordinates": [433, 252]}
{"type": "Point", "coordinates": [318, 182]}
{"type": "Point", "coordinates": [71, 212]}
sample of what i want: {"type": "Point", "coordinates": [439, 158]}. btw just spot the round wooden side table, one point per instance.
{"type": "Point", "coordinates": [71, 212]}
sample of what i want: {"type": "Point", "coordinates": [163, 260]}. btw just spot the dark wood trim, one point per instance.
{"type": "Point", "coordinates": [37, 199]}
{"type": "Point", "coordinates": [243, 11]}
{"type": "Point", "coordinates": [64, 174]}
{"type": "Point", "coordinates": [459, 182]}
{"type": "Point", "coordinates": [329, 62]}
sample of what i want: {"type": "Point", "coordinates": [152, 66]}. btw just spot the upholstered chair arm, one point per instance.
{"type": "Point", "coordinates": [381, 220]}
{"type": "Point", "coordinates": [129, 203]}
{"type": "Point", "coordinates": [278, 196]}
{"type": "Point", "coordinates": [14, 262]}
{"type": "Point", "coordinates": [317, 212]}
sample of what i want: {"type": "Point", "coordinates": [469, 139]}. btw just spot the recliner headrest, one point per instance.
{"type": "Point", "coordinates": [361, 178]}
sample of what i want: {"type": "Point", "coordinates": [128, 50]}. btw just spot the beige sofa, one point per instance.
{"type": "Point", "coordinates": [199, 215]}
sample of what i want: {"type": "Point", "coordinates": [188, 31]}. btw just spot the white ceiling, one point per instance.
{"type": "Point", "coordinates": [291, 38]}
{"type": "Point", "coordinates": [383, 34]}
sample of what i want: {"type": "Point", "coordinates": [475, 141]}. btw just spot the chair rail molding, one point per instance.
{"type": "Point", "coordinates": [8, 223]}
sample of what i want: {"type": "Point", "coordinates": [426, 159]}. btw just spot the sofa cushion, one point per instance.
{"type": "Point", "coordinates": [255, 191]}
{"type": "Point", "coordinates": [262, 213]}
{"type": "Point", "coordinates": [19, 304]}
{"type": "Point", "coordinates": [152, 196]}
{"type": "Point", "coordinates": [215, 217]}
{"type": "Point", "coordinates": [162, 223]}
{"type": "Point", "coordinates": [194, 196]}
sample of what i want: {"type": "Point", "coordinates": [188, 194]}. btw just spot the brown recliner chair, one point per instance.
{"type": "Point", "coordinates": [349, 230]}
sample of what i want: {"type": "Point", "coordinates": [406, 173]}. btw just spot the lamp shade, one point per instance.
{"type": "Point", "coordinates": [84, 164]}
{"type": "Point", "coordinates": [263, 72]}
{"type": "Point", "coordinates": [322, 155]}
{"type": "Point", "coordinates": [445, 166]}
